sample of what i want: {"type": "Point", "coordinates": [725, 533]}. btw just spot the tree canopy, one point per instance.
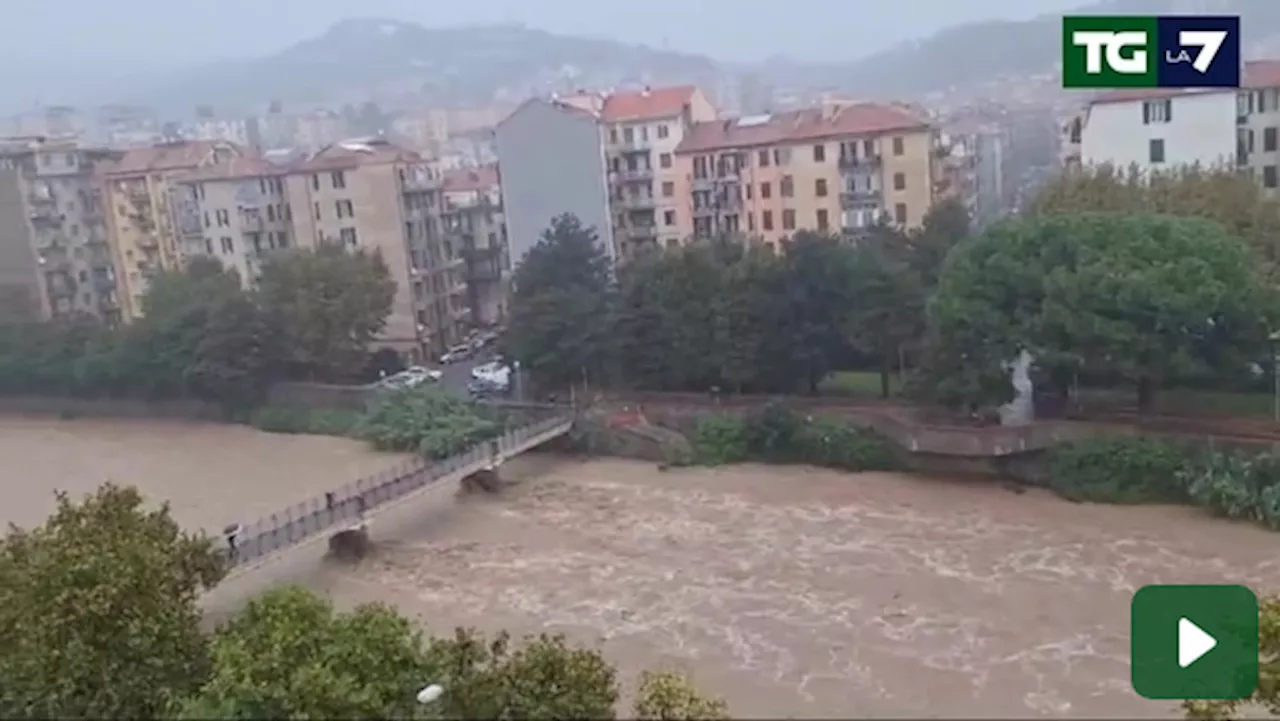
{"type": "Point", "coordinates": [328, 304]}
{"type": "Point", "coordinates": [1138, 297]}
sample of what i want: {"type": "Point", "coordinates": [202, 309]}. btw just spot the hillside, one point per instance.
{"type": "Point", "coordinates": [977, 52]}
{"type": "Point", "coordinates": [358, 58]}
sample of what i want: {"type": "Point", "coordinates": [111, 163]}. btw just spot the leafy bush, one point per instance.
{"type": "Point", "coordinates": [425, 420]}
{"type": "Point", "coordinates": [1120, 469]}
{"type": "Point", "coordinates": [671, 696]}
{"type": "Point", "coordinates": [720, 440]}
{"type": "Point", "coordinates": [776, 434]}
{"type": "Point", "coordinates": [286, 419]}
{"type": "Point", "coordinates": [1236, 485]}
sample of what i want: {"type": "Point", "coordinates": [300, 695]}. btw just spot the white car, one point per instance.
{"type": "Point", "coordinates": [411, 377]}
{"type": "Point", "coordinates": [457, 353]}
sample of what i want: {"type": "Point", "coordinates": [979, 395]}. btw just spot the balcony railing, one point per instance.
{"type": "Point", "coordinates": [640, 201]}
{"type": "Point", "coordinates": [852, 162]}
{"type": "Point", "coordinates": [635, 174]}
{"type": "Point", "coordinates": [849, 198]}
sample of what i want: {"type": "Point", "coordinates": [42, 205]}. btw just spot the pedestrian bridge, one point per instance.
{"type": "Point", "coordinates": [356, 503]}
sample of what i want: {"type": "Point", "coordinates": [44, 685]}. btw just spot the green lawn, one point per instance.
{"type": "Point", "coordinates": [856, 384]}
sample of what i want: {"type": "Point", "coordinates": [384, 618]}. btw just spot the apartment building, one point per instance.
{"type": "Point", "coordinates": [472, 226]}
{"type": "Point", "coordinates": [136, 192]}
{"type": "Point", "coordinates": [841, 167]}
{"type": "Point", "coordinates": [1258, 123]}
{"type": "Point", "coordinates": [608, 158]}
{"type": "Point", "coordinates": [235, 212]}
{"type": "Point", "coordinates": [55, 255]}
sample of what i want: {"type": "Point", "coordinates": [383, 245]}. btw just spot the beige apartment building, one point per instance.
{"type": "Point", "coordinates": [135, 193]}
{"type": "Point", "coordinates": [838, 168]}
{"type": "Point", "coordinates": [235, 212]}
{"type": "Point", "coordinates": [55, 255]}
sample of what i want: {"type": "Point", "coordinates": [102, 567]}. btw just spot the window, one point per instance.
{"type": "Point", "coordinates": [763, 159]}
{"type": "Point", "coordinates": [765, 191]}
{"type": "Point", "coordinates": [669, 218]}
{"type": "Point", "coordinates": [644, 132]}
{"type": "Point", "coordinates": [668, 189]}
{"type": "Point", "coordinates": [207, 224]}
{"type": "Point", "coordinates": [897, 146]}
{"type": "Point", "coordinates": [766, 220]}
{"type": "Point", "coordinates": [348, 236]}
{"type": "Point", "coordinates": [1269, 176]}
{"type": "Point", "coordinates": [900, 213]}
{"type": "Point", "coordinates": [781, 156]}
{"type": "Point", "coordinates": [271, 213]}
{"type": "Point", "coordinates": [613, 136]}
{"type": "Point", "coordinates": [344, 209]}
{"type": "Point", "coordinates": [787, 188]}
{"type": "Point", "coordinates": [628, 135]}
{"type": "Point", "coordinates": [663, 131]}
{"type": "Point", "coordinates": [317, 211]}
{"type": "Point", "coordinates": [899, 181]}
{"type": "Point", "coordinates": [315, 182]}
{"type": "Point", "coordinates": [224, 218]}
{"type": "Point", "coordinates": [1157, 111]}
{"type": "Point", "coordinates": [1157, 150]}
{"type": "Point", "coordinates": [664, 160]}
{"type": "Point", "coordinates": [751, 221]}
{"type": "Point", "coordinates": [788, 219]}
{"type": "Point", "coordinates": [228, 245]}
{"type": "Point", "coordinates": [868, 148]}
{"type": "Point", "coordinates": [820, 188]}
{"type": "Point", "coordinates": [208, 246]}
{"type": "Point", "coordinates": [1269, 140]}
{"type": "Point", "coordinates": [819, 153]}
{"type": "Point", "coordinates": [823, 223]}
{"type": "Point", "coordinates": [747, 189]}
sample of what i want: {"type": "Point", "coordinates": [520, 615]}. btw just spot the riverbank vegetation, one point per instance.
{"type": "Point", "coordinates": [100, 618]}
{"type": "Point", "coordinates": [776, 433]}
{"type": "Point", "coordinates": [312, 316]}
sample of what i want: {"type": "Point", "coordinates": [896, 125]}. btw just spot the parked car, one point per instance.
{"type": "Point", "coordinates": [485, 388]}
{"type": "Point", "coordinates": [410, 377]}
{"type": "Point", "coordinates": [457, 354]}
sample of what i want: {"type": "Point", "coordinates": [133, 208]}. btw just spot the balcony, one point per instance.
{"type": "Point", "coordinates": [252, 222]}
{"type": "Point", "coordinates": [419, 179]}
{"type": "Point", "coordinates": [633, 175]}
{"type": "Point", "coordinates": [633, 145]}
{"type": "Point", "coordinates": [637, 201]}
{"type": "Point", "coordinates": [46, 216]}
{"type": "Point", "coordinates": [856, 198]}
{"type": "Point", "coordinates": [858, 162]}
{"type": "Point", "coordinates": [642, 233]}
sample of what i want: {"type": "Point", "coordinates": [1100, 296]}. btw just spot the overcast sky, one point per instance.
{"type": "Point", "coordinates": [192, 31]}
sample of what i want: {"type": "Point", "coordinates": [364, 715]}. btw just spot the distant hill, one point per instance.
{"type": "Point", "coordinates": [357, 58]}
{"type": "Point", "coordinates": [978, 52]}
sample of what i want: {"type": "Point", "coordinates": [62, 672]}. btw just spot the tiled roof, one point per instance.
{"type": "Point", "coordinates": [184, 155]}
{"type": "Point", "coordinates": [1256, 74]}
{"type": "Point", "coordinates": [356, 152]}
{"type": "Point", "coordinates": [647, 104]}
{"type": "Point", "coordinates": [1261, 74]}
{"type": "Point", "coordinates": [465, 179]}
{"type": "Point", "coordinates": [243, 167]}
{"type": "Point", "coordinates": [800, 125]}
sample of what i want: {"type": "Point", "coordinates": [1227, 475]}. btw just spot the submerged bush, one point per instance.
{"type": "Point", "coordinates": [778, 434]}
{"type": "Point", "coordinates": [285, 419]}
{"type": "Point", "coordinates": [426, 420]}
{"type": "Point", "coordinates": [1120, 469]}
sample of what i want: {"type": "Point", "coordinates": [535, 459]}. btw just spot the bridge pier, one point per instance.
{"type": "Point", "coordinates": [351, 544]}
{"type": "Point", "coordinates": [485, 480]}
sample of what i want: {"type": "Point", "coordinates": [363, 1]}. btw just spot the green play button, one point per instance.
{"type": "Point", "coordinates": [1194, 642]}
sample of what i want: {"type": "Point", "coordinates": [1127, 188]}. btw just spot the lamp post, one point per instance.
{"type": "Point", "coordinates": [1274, 338]}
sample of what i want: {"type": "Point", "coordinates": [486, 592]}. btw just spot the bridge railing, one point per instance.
{"type": "Point", "coordinates": [350, 502]}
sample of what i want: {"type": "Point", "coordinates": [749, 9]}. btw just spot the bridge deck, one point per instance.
{"type": "Point", "coordinates": [359, 501]}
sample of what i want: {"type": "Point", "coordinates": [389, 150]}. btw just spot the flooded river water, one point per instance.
{"type": "Point", "coordinates": [790, 591]}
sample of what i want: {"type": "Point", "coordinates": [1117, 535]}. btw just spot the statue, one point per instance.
{"type": "Point", "coordinates": [1021, 410]}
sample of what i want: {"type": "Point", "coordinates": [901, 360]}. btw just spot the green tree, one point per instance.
{"type": "Point", "coordinates": [817, 292]}
{"type": "Point", "coordinates": [1234, 200]}
{"type": "Point", "coordinates": [945, 226]}
{"type": "Point", "coordinates": [328, 305]}
{"type": "Point", "coordinates": [887, 318]}
{"type": "Point", "coordinates": [1144, 298]}
{"type": "Point", "coordinates": [562, 307]}
{"type": "Point", "coordinates": [202, 335]}
{"type": "Point", "coordinates": [98, 611]}
{"type": "Point", "coordinates": [287, 654]}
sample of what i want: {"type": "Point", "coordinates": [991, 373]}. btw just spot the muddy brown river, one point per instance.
{"type": "Point", "coordinates": [790, 591]}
